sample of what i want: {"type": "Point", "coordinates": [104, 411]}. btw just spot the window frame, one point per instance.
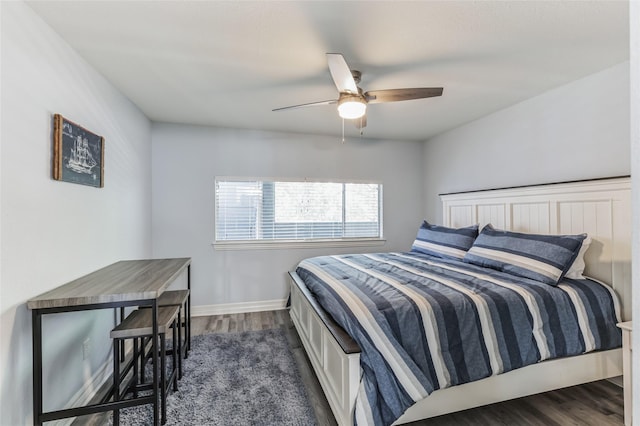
{"type": "Point", "coordinates": [262, 244]}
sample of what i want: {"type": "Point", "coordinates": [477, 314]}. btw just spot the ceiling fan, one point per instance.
{"type": "Point", "coordinates": [352, 102]}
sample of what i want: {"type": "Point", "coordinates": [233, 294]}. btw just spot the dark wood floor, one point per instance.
{"type": "Point", "coordinates": [598, 403]}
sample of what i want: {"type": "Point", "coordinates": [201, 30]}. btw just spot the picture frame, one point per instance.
{"type": "Point", "coordinates": [78, 154]}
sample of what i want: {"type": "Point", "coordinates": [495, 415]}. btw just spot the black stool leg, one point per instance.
{"type": "Point", "coordinates": [188, 323]}
{"type": "Point", "coordinates": [116, 380]}
{"type": "Point", "coordinates": [136, 373]}
{"type": "Point", "coordinates": [178, 343]}
{"type": "Point", "coordinates": [163, 379]}
{"type": "Point", "coordinates": [175, 355]}
{"type": "Point", "coordinates": [143, 360]}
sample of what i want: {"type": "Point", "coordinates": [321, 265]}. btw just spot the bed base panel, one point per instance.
{"type": "Point", "coordinates": [537, 378]}
{"type": "Point", "coordinates": [339, 372]}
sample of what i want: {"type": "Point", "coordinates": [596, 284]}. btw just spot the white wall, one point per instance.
{"type": "Point", "coordinates": [186, 160]}
{"type": "Point", "coordinates": [577, 131]}
{"type": "Point", "coordinates": [52, 231]}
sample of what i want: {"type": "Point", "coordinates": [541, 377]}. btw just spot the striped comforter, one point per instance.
{"type": "Point", "coordinates": [425, 323]}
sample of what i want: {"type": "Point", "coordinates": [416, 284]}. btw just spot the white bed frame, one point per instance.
{"type": "Point", "coordinates": [602, 208]}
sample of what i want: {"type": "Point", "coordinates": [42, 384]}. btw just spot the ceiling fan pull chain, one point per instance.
{"type": "Point", "coordinates": [343, 130]}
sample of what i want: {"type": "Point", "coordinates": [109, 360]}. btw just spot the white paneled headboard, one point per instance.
{"type": "Point", "coordinates": [601, 208]}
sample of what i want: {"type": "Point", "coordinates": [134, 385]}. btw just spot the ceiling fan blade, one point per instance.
{"type": "Point", "coordinates": [361, 122]}
{"type": "Point", "coordinates": [395, 95]}
{"type": "Point", "coordinates": [341, 73]}
{"type": "Point", "coordinates": [310, 104]}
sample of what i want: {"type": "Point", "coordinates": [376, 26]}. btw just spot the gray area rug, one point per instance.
{"type": "Point", "coordinates": [245, 378]}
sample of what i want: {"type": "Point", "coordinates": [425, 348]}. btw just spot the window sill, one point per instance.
{"type": "Point", "coordinates": [283, 245]}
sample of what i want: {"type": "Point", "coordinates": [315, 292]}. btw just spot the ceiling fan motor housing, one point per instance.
{"type": "Point", "coordinates": [356, 76]}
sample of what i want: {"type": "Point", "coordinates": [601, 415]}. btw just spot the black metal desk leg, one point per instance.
{"type": "Point", "coordinates": [122, 319]}
{"type": "Point", "coordinates": [36, 318]}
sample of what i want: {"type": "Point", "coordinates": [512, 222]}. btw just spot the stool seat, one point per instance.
{"type": "Point", "coordinates": [173, 297]}
{"type": "Point", "coordinates": [179, 299]}
{"type": "Point", "coordinates": [140, 323]}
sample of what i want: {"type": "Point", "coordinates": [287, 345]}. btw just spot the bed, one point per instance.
{"type": "Point", "coordinates": [429, 378]}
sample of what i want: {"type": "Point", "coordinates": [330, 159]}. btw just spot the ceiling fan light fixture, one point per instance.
{"type": "Point", "coordinates": [350, 107]}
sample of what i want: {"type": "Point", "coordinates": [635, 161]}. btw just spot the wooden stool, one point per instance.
{"type": "Point", "coordinates": [180, 298]}
{"type": "Point", "coordinates": [138, 325]}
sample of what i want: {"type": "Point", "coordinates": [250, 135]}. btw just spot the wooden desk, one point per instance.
{"type": "Point", "coordinates": [124, 283]}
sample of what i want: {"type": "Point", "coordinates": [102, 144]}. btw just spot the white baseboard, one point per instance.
{"type": "Point", "coordinates": [238, 308]}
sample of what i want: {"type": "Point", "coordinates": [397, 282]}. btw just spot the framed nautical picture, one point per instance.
{"type": "Point", "coordinates": [78, 154]}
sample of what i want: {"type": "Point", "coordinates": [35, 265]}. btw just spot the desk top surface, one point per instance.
{"type": "Point", "coordinates": [122, 281]}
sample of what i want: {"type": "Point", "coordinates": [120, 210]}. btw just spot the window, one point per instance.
{"type": "Point", "coordinates": [249, 210]}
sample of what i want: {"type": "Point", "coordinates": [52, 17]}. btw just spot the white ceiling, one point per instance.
{"type": "Point", "coordinates": [229, 63]}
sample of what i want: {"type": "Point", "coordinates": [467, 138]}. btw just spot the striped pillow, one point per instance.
{"type": "Point", "coordinates": [544, 258]}
{"type": "Point", "coordinates": [444, 242]}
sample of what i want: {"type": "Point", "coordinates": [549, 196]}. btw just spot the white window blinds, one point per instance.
{"type": "Point", "coordinates": [249, 210]}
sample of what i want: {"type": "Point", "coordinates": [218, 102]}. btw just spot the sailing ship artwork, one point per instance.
{"type": "Point", "coordinates": [78, 154]}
